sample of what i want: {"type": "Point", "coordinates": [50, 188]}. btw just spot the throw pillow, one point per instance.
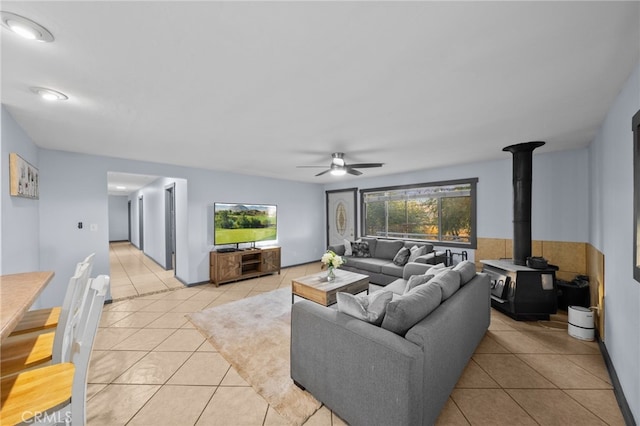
{"type": "Point", "coordinates": [401, 257]}
{"type": "Point", "coordinates": [360, 249]}
{"type": "Point", "coordinates": [415, 252]}
{"type": "Point", "coordinates": [416, 280]}
{"type": "Point", "coordinates": [448, 280]}
{"type": "Point", "coordinates": [347, 248]}
{"type": "Point", "coordinates": [366, 307]}
{"type": "Point", "coordinates": [407, 310]}
{"type": "Point", "coordinates": [467, 271]}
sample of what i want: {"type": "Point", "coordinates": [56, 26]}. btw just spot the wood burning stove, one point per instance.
{"type": "Point", "coordinates": [516, 289]}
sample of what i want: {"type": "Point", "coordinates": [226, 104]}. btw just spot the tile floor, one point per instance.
{"type": "Point", "coordinates": [151, 367]}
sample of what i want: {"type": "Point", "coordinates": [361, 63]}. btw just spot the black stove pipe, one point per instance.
{"type": "Point", "coordinates": [522, 173]}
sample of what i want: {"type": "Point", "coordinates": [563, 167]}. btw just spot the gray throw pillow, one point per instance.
{"type": "Point", "coordinates": [403, 312]}
{"type": "Point", "coordinates": [417, 280]}
{"type": "Point", "coordinates": [366, 307]}
{"type": "Point", "coordinates": [401, 257]}
{"type": "Point", "coordinates": [467, 271]}
{"type": "Point", "coordinates": [415, 252]}
{"type": "Point", "coordinates": [448, 280]}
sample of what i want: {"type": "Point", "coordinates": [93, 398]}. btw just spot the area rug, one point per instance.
{"type": "Point", "coordinates": [254, 336]}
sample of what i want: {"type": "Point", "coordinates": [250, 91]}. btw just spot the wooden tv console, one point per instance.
{"type": "Point", "coordinates": [238, 265]}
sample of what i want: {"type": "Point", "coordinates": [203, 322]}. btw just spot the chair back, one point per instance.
{"type": "Point", "coordinates": [74, 298]}
{"type": "Point", "coordinates": [85, 327]}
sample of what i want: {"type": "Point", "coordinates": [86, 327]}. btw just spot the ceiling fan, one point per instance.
{"type": "Point", "coordinates": [338, 167]}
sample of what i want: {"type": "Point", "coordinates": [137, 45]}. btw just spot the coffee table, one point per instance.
{"type": "Point", "coordinates": [316, 288]}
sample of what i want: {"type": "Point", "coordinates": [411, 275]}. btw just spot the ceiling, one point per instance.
{"type": "Point", "coordinates": [261, 87]}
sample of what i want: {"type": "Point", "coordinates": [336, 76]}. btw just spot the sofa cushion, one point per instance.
{"type": "Point", "coordinates": [467, 271]}
{"type": "Point", "coordinates": [401, 257]}
{"type": "Point", "coordinates": [448, 280]}
{"type": "Point", "coordinates": [361, 249]}
{"type": "Point", "coordinates": [416, 280]}
{"type": "Point", "coordinates": [392, 270]}
{"type": "Point", "coordinates": [369, 264]}
{"type": "Point", "coordinates": [366, 307]}
{"type": "Point", "coordinates": [387, 249]}
{"type": "Point", "coordinates": [373, 242]}
{"type": "Point", "coordinates": [403, 312]}
{"type": "Point", "coordinates": [347, 247]}
{"type": "Point", "coordinates": [415, 252]}
{"type": "Point", "coordinates": [397, 287]}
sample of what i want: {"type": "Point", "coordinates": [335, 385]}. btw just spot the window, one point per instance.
{"type": "Point", "coordinates": [440, 212]}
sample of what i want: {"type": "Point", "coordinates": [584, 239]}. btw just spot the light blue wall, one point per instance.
{"type": "Point", "coordinates": [611, 168]}
{"type": "Point", "coordinates": [74, 188]}
{"type": "Point", "coordinates": [560, 192]}
{"type": "Point", "coordinates": [118, 218]}
{"type": "Point", "coordinates": [20, 236]}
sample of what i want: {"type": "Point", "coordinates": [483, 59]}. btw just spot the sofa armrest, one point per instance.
{"type": "Point", "coordinates": [367, 375]}
{"type": "Point", "coordinates": [337, 249]}
{"type": "Point", "coordinates": [414, 268]}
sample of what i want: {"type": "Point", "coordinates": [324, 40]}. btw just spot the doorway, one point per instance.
{"type": "Point", "coordinates": [170, 226]}
{"type": "Point", "coordinates": [141, 223]}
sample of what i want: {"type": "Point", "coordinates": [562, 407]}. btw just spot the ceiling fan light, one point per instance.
{"type": "Point", "coordinates": [49, 94]}
{"type": "Point", "coordinates": [25, 27]}
{"type": "Point", "coordinates": [338, 172]}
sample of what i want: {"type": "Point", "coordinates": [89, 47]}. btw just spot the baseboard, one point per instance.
{"type": "Point", "coordinates": [617, 388]}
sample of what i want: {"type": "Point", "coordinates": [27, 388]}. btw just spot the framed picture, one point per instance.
{"type": "Point", "coordinates": [341, 215]}
{"type": "Point", "coordinates": [23, 178]}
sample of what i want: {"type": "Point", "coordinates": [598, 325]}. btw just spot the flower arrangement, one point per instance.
{"type": "Point", "coordinates": [332, 261]}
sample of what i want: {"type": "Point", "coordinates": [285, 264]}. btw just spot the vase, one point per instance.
{"type": "Point", "coordinates": [331, 273]}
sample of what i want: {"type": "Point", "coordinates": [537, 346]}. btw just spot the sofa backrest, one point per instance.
{"type": "Point", "coordinates": [387, 249]}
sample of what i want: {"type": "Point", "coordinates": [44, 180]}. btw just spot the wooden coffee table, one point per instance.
{"type": "Point", "coordinates": [316, 288]}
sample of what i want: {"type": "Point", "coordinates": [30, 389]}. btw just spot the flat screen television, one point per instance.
{"type": "Point", "coordinates": [236, 223]}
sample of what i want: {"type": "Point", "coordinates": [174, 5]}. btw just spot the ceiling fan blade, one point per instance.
{"type": "Point", "coordinates": [366, 165]}
{"type": "Point", "coordinates": [353, 171]}
{"type": "Point", "coordinates": [321, 173]}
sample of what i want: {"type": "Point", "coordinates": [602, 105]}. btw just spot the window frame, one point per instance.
{"type": "Point", "coordinates": [473, 182]}
{"type": "Point", "coordinates": [635, 126]}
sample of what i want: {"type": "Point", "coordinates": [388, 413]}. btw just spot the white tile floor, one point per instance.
{"type": "Point", "coordinates": [151, 367]}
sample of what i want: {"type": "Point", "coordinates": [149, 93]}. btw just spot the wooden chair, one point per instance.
{"type": "Point", "coordinates": [27, 351]}
{"type": "Point", "coordinates": [57, 393]}
{"type": "Point", "coordinates": [47, 318]}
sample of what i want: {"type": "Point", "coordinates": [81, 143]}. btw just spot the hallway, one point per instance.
{"type": "Point", "coordinates": [135, 274]}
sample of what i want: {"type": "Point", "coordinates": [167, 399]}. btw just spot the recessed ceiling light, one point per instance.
{"type": "Point", "coordinates": [25, 27]}
{"type": "Point", "coordinates": [49, 94]}
{"type": "Point", "coordinates": [121, 188]}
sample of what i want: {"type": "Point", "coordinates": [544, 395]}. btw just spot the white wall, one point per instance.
{"type": "Point", "coordinates": [20, 232]}
{"type": "Point", "coordinates": [611, 167]}
{"type": "Point", "coordinates": [75, 187]}
{"type": "Point", "coordinates": [118, 218]}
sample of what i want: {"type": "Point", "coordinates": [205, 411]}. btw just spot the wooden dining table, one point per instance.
{"type": "Point", "coordinates": [17, 294]}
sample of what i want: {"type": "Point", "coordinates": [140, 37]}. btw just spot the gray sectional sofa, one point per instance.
{"type": "Point", "coordinates": [369, 375]}
{"type": "Point", "coordinates": [380, 267]}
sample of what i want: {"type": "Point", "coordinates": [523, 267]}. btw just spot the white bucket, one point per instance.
{"type": "Point", "coordinates": [581, 323]}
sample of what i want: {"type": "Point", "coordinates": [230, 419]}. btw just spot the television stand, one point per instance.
{"type": "Point", "coordinates": [239, 265]}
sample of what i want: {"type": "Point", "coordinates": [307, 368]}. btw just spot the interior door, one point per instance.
{"type": "Point", "coordinates": [341, 215]}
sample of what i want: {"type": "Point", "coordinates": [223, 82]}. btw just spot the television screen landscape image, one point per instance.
{"type": "Point", "coordinates": [236, 223]}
